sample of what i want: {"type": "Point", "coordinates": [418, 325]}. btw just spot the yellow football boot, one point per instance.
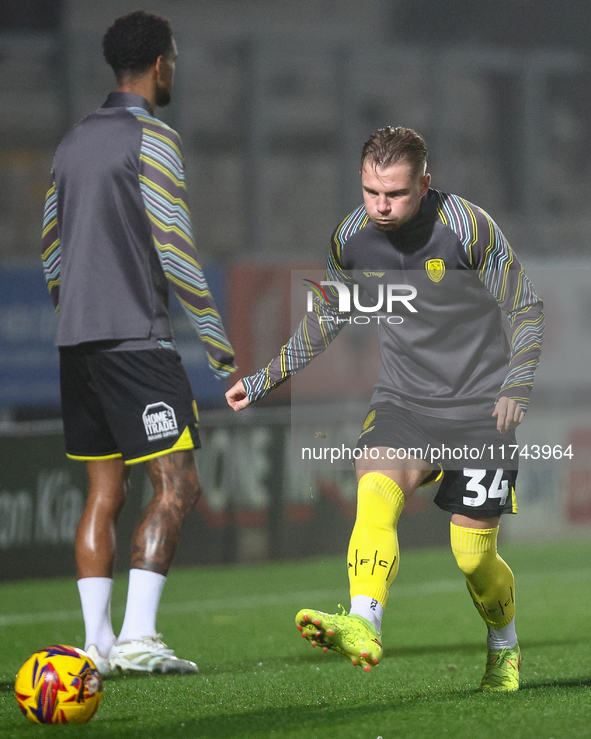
{"type": "Point", "coordinates": [502, 670]}
{"type": "Point", "coordinates": [353, 636]}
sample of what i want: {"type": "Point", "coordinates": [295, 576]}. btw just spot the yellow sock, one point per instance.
{"type": "Point", "coordinates": [489, 578]}
{"type": "Point", "coordinates": [373, 549]}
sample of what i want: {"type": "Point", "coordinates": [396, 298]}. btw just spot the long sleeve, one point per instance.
{"type": "Point", "coordinates": [51, 250]}
{"type": "Point", "coordinates": [162, 182]}
{"type": "Point", "coordinates": [504, 276]}
{"type": "Point", "coordinates": [314, 334]}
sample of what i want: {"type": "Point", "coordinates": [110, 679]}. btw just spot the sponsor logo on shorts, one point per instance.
{"type": "Point", "coordinates": [159, 421]}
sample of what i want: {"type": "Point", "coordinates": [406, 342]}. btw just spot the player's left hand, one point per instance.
{"type": "Point", "coordinates": [509, 414]}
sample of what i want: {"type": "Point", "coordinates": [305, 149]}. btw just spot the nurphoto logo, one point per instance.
{"type": "Point", "coordinates": [387, 296]}
{"type": "Point", "coordinates": [159, 421]}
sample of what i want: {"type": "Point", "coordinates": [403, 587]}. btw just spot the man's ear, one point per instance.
{"type": "Point", "coordinates": [158, 66]}
{"type": "Point", "coordinates": [425, 183]}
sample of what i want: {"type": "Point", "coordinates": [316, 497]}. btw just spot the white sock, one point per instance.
{"type": "Point", "coordinates": [95, 597]}
{"type": "Point", "coordinates": [143, 597]}
{"type": "Point", "coordinates": [502, 638]}
{"type": "Point", "coordinates": [369, 608]}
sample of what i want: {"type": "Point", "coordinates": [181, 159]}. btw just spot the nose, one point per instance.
{"type": "Point", "coordinates": [382, 204]}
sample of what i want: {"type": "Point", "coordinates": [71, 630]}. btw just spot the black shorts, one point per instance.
{"type": "Point", "coordinates": [136, 405]}
{"type": "Point", "coordinates": [474, 459]}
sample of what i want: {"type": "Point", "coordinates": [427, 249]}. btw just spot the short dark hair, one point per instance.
{"type": "Point", "coordinates": [135, 41]}
{"type": "Point", "coordinates": [390, 145]}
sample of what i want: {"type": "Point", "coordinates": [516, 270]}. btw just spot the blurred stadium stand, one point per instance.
{"type": "Point", "coordinates": [273, 101]}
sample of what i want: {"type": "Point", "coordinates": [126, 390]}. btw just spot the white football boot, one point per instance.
{"type": "Point", "coordinates": [103, 664]}
{"type": "Point", "coordinates": [149, 654]}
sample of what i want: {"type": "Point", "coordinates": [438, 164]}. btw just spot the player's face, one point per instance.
{"type": "Point", "coordinates": [392, 195]}
{"type": "Point", "coordinates": [165, 78]}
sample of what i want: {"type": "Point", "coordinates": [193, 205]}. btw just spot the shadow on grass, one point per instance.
{"type": "Point", "coordinates": [312, 718]}
{"type": "Point", "coordinates": [315, 657]}
{"type": "Point", "coordinates": [263, 722]}
{"type": "Point", "coordinates": [571, 682]}
{"type": "Point", "coordinates": [478, 648]}
{"type": "Point", "coordinates": [256, 723]}
{"type": "Point", "coordinates": [289, 718]}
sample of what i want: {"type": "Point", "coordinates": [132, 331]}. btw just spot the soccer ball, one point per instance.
{"type": "Point", "coordinates": [59, 685]}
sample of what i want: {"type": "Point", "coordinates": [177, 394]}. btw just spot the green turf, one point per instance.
{"type": "Point", "coordinates": [259, 679]}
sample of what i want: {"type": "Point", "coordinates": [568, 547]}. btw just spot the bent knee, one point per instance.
{"type": "Point", "coordinates": [471, 564]}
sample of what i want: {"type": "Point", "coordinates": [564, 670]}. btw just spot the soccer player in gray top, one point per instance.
{"type": "Point", "coordinates": [117, 230]}
{"type": "Point", "coordinates": [449, 377]}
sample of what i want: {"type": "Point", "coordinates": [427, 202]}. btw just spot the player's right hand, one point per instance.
{"type": "Point", "coordinates": [237, 397]}
{"type": "Point", "coordinates": [508, 414]}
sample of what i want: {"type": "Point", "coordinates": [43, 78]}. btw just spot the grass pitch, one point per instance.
{"type": "Point", "coordinates": [258, 678]}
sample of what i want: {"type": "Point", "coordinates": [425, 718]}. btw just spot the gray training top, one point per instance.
{"type": "Point", "coordinates": [451, 358]}
{"type": "Point", "coordinates": [117, 230]}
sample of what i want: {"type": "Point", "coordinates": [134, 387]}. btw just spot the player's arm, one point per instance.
{"type": "Point", "coordinates": [162, 182]}
{"type": "Point", "coordinates": [51, 250]}
{"type": "Point", "coordinates": [504, 276]}
{"type": "Point", "coordinates": [315, 332]}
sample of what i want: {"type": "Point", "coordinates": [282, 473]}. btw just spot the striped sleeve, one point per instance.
{"type": "Point", "coordinates": [316, 331]}
{"type": "Point", "coordinates": [318, 328]}
{"type": "Point", "coordinates": [162, 183]}
{"type": "Point", "coordinates": [51, 249]}
{"type": "Point", "coordinates": [504, 277]}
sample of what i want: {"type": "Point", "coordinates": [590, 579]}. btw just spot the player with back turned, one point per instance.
{"type": "Point", "coordinates": [449, 377]}
{"type": "Point", "coordinates": [117, 231]}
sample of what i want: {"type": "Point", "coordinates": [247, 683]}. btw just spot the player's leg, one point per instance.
{"type": "Point", "coordinates": [151, 413]}
{"type": "Point", "coordinates": [176, 491]}
{"type": "Point", "coordinates": [389, 469]}
{"type": "Point", "coordinates": [491, 585]}
{"type": "Point", "coordinates": [95, 543]}
{"type": "Point", "coordinates": [88, 438]}
{"type": "Point", "coordinates": [477, 498]}
{"type": "Point", "coordinates": [386, 480]}
{"type": "Point", "coordinates": [95, 552]}
{"type": "Point", "coordinates": [372, 564]}
{"type": "Point", "coordinates": [373, 554]}
{"type": "Point", "coordinates": [489, 579]}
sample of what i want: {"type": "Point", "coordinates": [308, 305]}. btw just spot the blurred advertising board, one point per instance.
{"type": "Point", "coordinates": [29, 367]}
{"type": "Point", "coordinates": [29, 373]}
{"type": "Point", "coordinates": [255, 505]}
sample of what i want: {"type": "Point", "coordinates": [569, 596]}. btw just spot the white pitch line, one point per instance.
{"type": "Point", "coordinates": [245, 602]}
{"type": "Point", "coordinates": [22, 619]}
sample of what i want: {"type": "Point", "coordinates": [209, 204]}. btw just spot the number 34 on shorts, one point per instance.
{"type": "Point", "coordinates": [485, 486]}
{"type": "Point", "coordinates": [478, 493]}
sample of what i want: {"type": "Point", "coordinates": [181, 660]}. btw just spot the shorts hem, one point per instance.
{"type": "Point", "coordinates": [430, 480]}
{"type": "Point", "coordinates": [472, 513]}
{"type": "Point", "coordinates": [184, 443]}
{"type": "Point", "coordinates": [93, 457]}
{"type": "Point", "coordinates": [148, 457]}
